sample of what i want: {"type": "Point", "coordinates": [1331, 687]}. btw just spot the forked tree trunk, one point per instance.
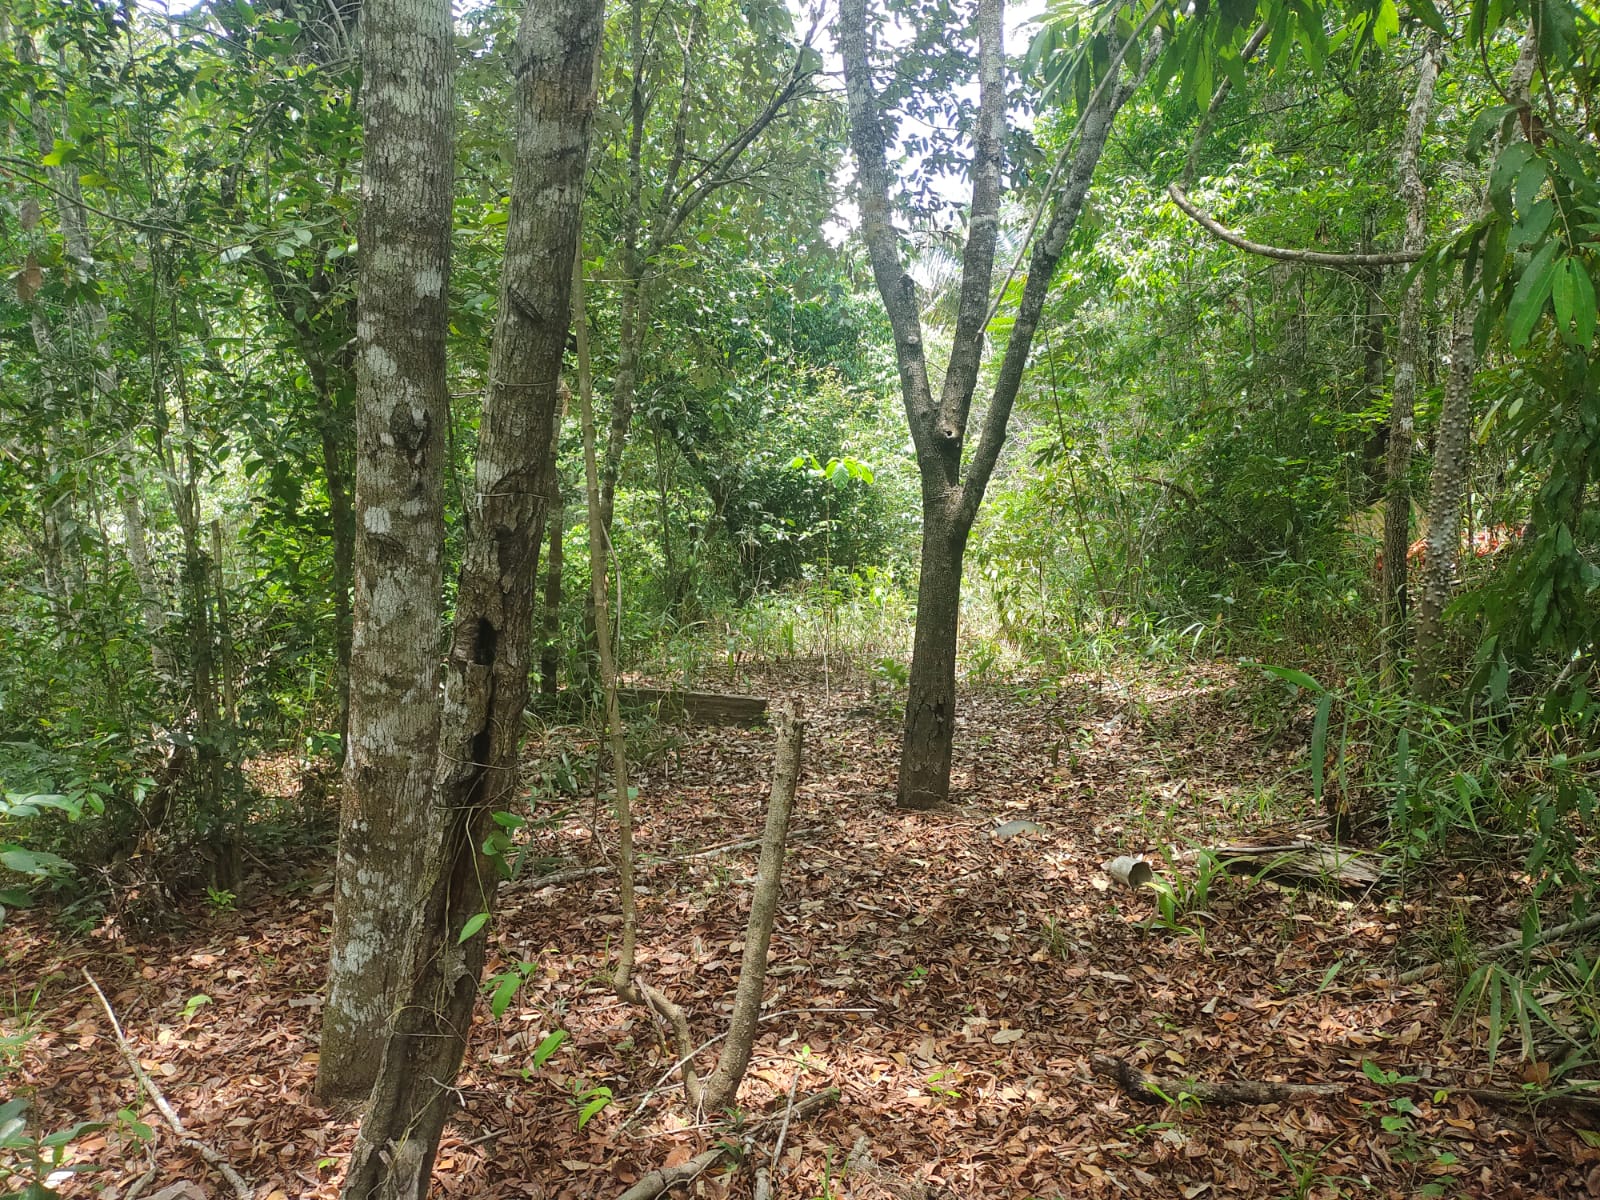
{"type": "Point", "coordinates": [402, 407]}
{"type": "Point", "coordinates": [488, 668]}
{"type": "Point", "coordinates": [939, 423]}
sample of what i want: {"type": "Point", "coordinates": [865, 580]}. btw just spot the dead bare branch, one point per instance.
{"type": "Point", "coordinates": [223, 1167]}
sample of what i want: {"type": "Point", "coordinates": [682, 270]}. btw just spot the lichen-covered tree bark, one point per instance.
{"type": "Point", "coordinates": [402, 411]}
{"type": "Point", "coordinates": [1447, 483]}
{"type": "Point", "coordinates": [953, 483]}
{"type": "Point", "coordinates": [488, 665]}
{"type": "Point", "coordinates": [1403, 389]}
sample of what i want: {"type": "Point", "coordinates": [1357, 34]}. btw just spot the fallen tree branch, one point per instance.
{"type": "Point", "coordinates": [712, 1041]}
{"type": "Point", "coordinates": [223, 1167]}
{"type": "Point", "coordinates": [1146, 1088]}
{"type": "Point", "coordinates": [662, 1178]}
{"type": "Point", "coordinates": [573, 874]}
{"type": "Point", "coordinates": [1429, 970]}
{"type": "Point", "coordinates": [1317, 258]}
{"type": "Point", "coordinates": [1572, 1100]}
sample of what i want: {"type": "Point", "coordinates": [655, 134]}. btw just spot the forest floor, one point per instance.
{"type": "Point", "coordinates": [952, 983]}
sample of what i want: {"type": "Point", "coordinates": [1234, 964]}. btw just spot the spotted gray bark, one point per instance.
{"type": "Point", "coordinates": [1447, 483]}
{"type": "Point", "coordinates": [487, 669]}
{"type": "Point", "coordinates": [401, 414]}
{"type": "Point", "coordinates": [1403, 389]}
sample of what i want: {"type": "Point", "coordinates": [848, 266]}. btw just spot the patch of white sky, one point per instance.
{"type": "Point", "coordinates": [952, 187]}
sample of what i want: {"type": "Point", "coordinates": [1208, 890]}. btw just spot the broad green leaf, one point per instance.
{"type": "Point", "coordinates": [552, 1043]}
{"type": "Point", "coordinates": [1507, 169]}
{"type": "Point", "coordinates": [474, 923]}
{"type": "Point", "coordinates": [1583, 304]}
{"type": "Point", "coordinates": [1425, 12]}
{"type": "Point", "coordinates": [505, 990]}
{"type": "Point", "coordinates": [1290, 675]}
{"type": "Point", "coordinates": [1529, 180]}
{"type": "Point", "coordinates": [1533, 222]}
{"type": "Point", "coordinates": [32, 862]}
{"type": "Point", "coordinates": [1533, 289]}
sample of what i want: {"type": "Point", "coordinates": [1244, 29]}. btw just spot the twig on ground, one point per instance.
{"type": "Point", "coordinates": [1429, 970]}
{"type": "Point", "coordinates": [241, 1189]}
{"type": "Point", "coordinates": [1138, 1085]}
{"type": "Point", "coordinates": [659, 1180]}
{"type": "Point", "coordinates": [710, 1042]}
{"type": "Point", "coordinates": [573, 874]}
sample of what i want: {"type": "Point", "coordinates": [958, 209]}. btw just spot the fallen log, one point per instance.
{"type": "Point", "coordinates": [1305, 861]}
{"type": "Point", "coordinates": [673, 704]}
{"type": "Point", "coordinates": [1146, 1088]}
{"type": "Point", "coordinates": [699, 708]}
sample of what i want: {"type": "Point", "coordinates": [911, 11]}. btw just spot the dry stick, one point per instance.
{"type": "Point", "coordinates": [710, 1042]}
{"type": "Point", "coordinates": [719, 1091]}
{"type": "Point", "coordinates": [1428, 971]}
{"type": "Point", "coordinates": [241, 1189]}
{"type": "Point", "coordinates": [763, 1184]}
{"type": "Point", "coordinates": [1317, 258]}
{"type": "Point", "coordinates": [573, 874]}
{"type": "Point", "coordinates": [1139, 1085]}
{"type": "Point", "coordinates": [1147, 1088]}
{"type": "Point", "coordinates": [622, 981]}
{"type": "Point", "coordinates": [658, 1181]}
{"type": "Point", "coordinates": [723, 1085]}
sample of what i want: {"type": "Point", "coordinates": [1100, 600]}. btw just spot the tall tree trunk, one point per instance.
{"type": "Point", "coordinates": [1446, 490]}
{"type": "Point", "coordinates": [1447, 485]}
{"type": "Point", "coordinates": [556, 525]}
{"type": "Point", "coordinates": [1403, 393]}
{"type": "Point", "coordinates": [487, 670]}
{"type": "Point", "coordinates": [929, 739]}
{"type": "Point", "coordinates": [402, 407]}
{"type": "Point", "coordinates": [342, 518]}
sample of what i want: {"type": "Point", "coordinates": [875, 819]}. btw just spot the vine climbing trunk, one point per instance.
{"type": "Point", "coordinates": [487, 670]}
{"type": "Point", "coordinates": [402, 412]}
